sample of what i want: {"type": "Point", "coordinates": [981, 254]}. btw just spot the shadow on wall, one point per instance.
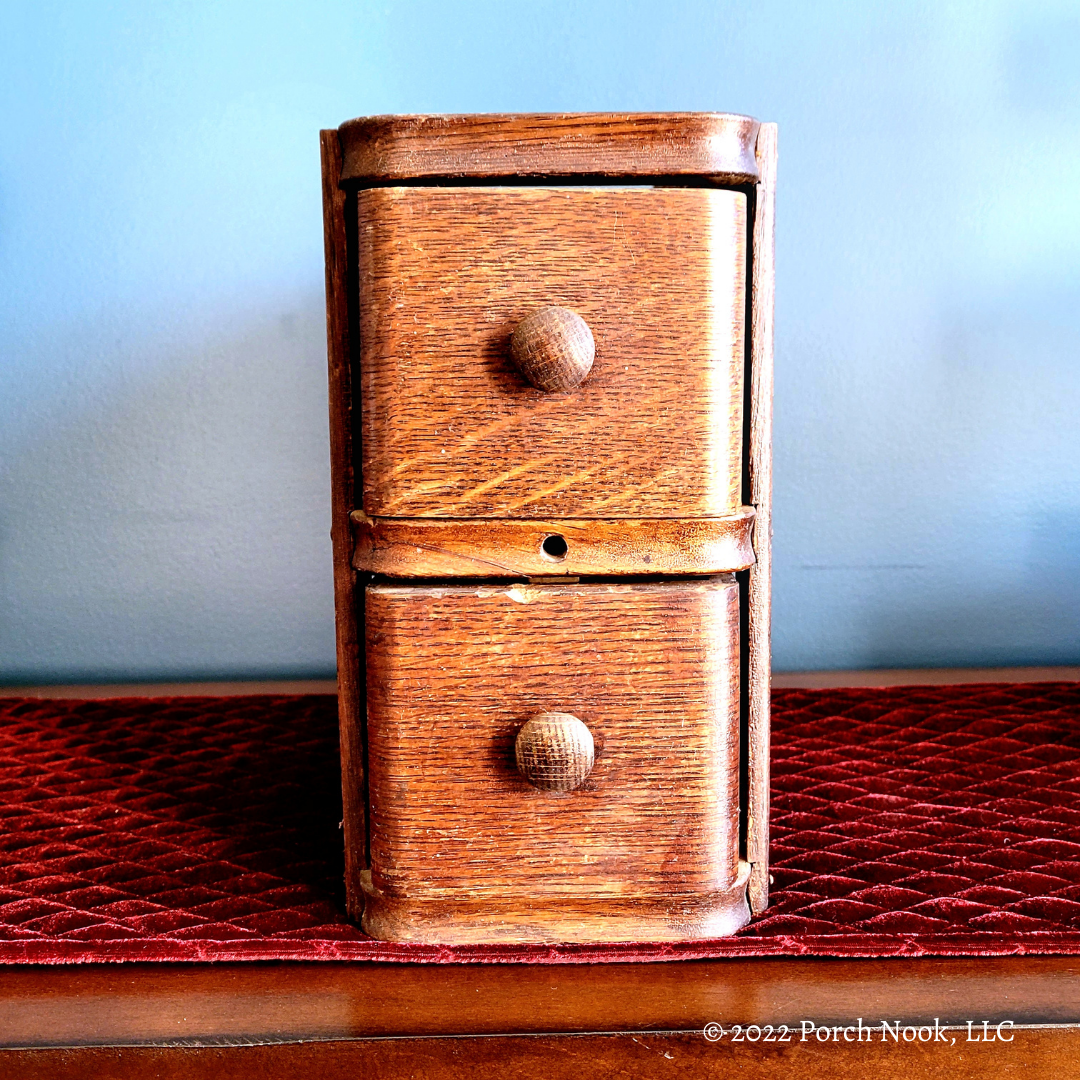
{"type": "Point", "coordinates": [1031, 618]}
{"type": "Point", "coordinates": [933, 517]}
{"type": "Point", "coordinates": [171, 519]}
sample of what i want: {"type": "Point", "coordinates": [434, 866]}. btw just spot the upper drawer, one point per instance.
{"type": "Point", "coordinates": [451, 429]}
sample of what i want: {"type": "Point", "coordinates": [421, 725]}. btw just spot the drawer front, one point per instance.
{"type": "Point", "coordinates": [451, 428]}
{"type": "Point", "coordinates": [455, 672]}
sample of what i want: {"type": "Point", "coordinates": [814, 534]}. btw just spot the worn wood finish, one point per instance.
{"type": "Point", "coordinates": [342, 500]}
{"type": "Point", "coordinates": [711, 914]}
{"type": "Point", "coordinates": [554, 751]}
{"type": "Point", "coordinates": [450, 428]}
{"type": "Point", "coordinates": [759, 588]}
{"type": "Point", "coordinates": [454, 671]}
{"type": "Point", "coordinates": [553, 348]}
{"type": "Point", "coordinates": [1039, 1053]}
{"type": "Point", "coordinates": [479, 548]}
{"type": "Point", "coordinates": [714, 147]}
{"type": "Point", "coordinates": [485, 456]}
{"type": "Point", "coordinates": [208, 1004]}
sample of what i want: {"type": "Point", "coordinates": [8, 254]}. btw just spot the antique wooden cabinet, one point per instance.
{"type": "Point", "coordinates": [550, 344]}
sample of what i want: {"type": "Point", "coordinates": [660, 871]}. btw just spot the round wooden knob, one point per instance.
{"type": "Point", "coordinates": [553, 348]}
{"type": "Point", "coordinates": [554, 751]}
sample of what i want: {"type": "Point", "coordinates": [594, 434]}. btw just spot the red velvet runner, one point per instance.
{"type": "Point", "coordinates": [907, 821]}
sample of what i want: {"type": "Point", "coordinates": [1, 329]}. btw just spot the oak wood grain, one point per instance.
{"type": "Point", "coordinates": [712, 914]}
{"type": "Point", "coordinates": [347, 598]}
{"type": "Point", "coordinates": [480, 548]}
{"type": "Point", "coordinates": [453, 673]}
{"type": "Point", "coordinates": [451, 429]}
{"type": "Point", "coordinates": [759, 586]}
{"type": "Point", "coordinates": [716, 147]}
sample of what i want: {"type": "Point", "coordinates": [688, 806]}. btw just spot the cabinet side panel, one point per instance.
{"type": "Point", "coordinates": [350, 687]}
{"type": "Point", "coordinates": [760, 577]}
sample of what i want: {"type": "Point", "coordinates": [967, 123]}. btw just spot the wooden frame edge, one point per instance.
{"type": "Point", "coordinates": [347, 595]}
{"type": "Point", "coordinates": [587, 148]}
{"type": "Point", "coordinates": [516, 547]}
{"type": "Point", "coordinates": [561, 920]}
{"type": "Point", "coordinates": [760, 575]}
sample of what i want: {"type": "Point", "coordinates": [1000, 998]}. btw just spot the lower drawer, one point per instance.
{"type": "Point", "coordinates": [464, 847]}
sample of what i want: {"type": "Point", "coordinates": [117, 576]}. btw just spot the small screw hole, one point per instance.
{"type": "Point", "coordinates": [554, 547]}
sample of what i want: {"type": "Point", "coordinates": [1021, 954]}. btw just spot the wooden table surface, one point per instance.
{"type": "Point", "coordinates": [335, 1020]}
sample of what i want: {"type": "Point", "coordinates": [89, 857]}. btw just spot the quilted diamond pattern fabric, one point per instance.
{"type": "Point", "coordinates": [910, 820]}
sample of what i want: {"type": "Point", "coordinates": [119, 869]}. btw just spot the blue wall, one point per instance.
{"type": "Point", "coordinates": [163, 447]}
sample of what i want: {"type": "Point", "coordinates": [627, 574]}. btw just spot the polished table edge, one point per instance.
{"type": "Point", "coordinates": [1038, 1052]}
{"type": "Point", "coordinates": [266, 1003]}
